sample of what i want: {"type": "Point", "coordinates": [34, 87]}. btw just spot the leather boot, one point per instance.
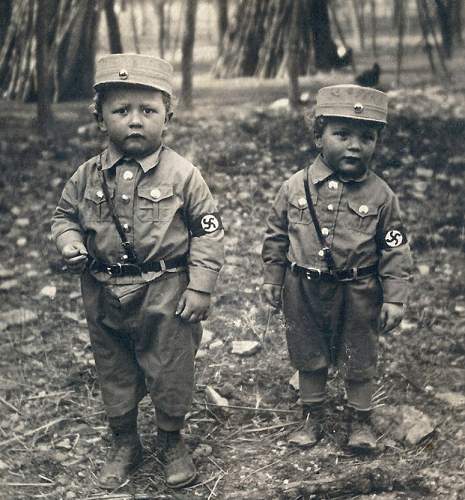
{"type": "Point", "coordinates": [125, 454]}
{"type": "Point", "coordinates": [361, 436]}
{"type": "Point", "coordinates": [311, 431]}
{"type": "Point", "coordinates": [178, 466]}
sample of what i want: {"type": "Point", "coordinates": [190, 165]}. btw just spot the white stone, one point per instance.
{"type": "Point", "coordinates": [415, 425]}
{"type": "Point", "coordinates": [215, 398]}
{"type": "Point", "coordinates": [49, 291]}
{"type": "Point", "coordinates": [282, 103]}
{"type": "Point", "coordinates": [455, 399]}
{"type": "Point", "coordinates": [216, 344]}
{"type": "Point", "coordinates": [207, 337]}
{"type": "Point", "coordinates": [423, 269]}
{"type": "Point", "coordinates": [294, 381]}
{"type": "Point", "coordinates": [245, 347]}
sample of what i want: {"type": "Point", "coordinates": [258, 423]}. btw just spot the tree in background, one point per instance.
{"type": "Point", "coordinates": [222, 17]}
{"type": "Point", "coordinates": [188, 53]}
{"type": "Point", "coordinates": [114, 36]}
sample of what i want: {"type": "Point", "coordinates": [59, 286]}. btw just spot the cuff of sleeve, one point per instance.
{"type": "Point", "coordinates": [274, 274]}
{"type": "Point", "coordinates": [67, 237]}
{"type": "Point", "coordinates": [395, 290]}
{"type": "Point", "coordinates": [202, 279]}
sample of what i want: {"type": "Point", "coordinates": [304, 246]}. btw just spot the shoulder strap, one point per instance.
{"type": "Point", "coordinates": [127, 246]}
{"type": "Point", "coordinates": [328, 256]}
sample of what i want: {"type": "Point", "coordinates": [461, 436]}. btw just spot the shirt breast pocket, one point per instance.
{"type": "Point", "coordinates": [361, 217]}
{"type": "Point", "coordinates": [95, 205]}
{"type": "Point", "coordinates": [297, 211]}
{"type": "Point", "coordinates": [156, 204]}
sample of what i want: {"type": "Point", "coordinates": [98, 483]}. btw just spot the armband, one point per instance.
{"type": "Point", "coordinates": [394, 238]}
{"type": "Point", "coordinates": [206, 224]}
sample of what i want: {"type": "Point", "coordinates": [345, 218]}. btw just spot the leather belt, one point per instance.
{"type": "Point", "coordinates": [353, 274]}
{"type": "Point", "coordinates": [129, 269]}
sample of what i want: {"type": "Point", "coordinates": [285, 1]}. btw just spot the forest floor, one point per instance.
{"type": "Point", "coordinates": [53, 433]}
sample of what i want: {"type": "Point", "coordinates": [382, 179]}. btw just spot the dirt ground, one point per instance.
{"type": "Point", "coordinates": [53, 433]}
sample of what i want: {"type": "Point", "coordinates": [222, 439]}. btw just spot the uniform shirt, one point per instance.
{"type": "Point", "coordinates": [360, 220]}
{"type": "Point", "coordinates": [159, 200]}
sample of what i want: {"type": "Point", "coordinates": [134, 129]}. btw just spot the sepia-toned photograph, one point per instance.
{"type": "Point", "coordinates": [232, 249]}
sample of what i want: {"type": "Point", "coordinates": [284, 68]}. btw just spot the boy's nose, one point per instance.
{"type": "Point", "coordinates": [354, 143]}
{"type": "Point", "coordinates": [134, 119]}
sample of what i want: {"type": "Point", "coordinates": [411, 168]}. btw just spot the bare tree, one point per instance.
{"type": "Point", "coordinates": [188, 53]}
{"type": "Point", "coordinates": [160, 11]}
{"type": "Point", "coordinates": [293, 57]}
{"type": "Point", "coordinates": [114, 35]}
{"type": "Point", "coordinates": [222, 17]}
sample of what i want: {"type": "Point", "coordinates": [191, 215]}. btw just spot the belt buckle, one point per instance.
{"type": "Point", "coordinates": [313, 273]}
{"type": "Point", "coordinates": [115, 270]}
{"type": "Point", "coordinates": [352, 275]}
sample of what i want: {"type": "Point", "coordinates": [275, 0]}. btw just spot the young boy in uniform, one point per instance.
{"type": "Point", "coordinates": [140, 224]}
{"type": "Point", "coordinates": [342, 272]}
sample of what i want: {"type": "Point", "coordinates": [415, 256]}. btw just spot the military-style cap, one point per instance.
{"type": "Point", "coordinates": [352, 101]}
{"type": "Point", "coordinates": [134, 69]}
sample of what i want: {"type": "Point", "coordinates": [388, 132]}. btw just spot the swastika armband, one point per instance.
{"type": "Point", "coordinates": [206, 224]}
{"type": "Point", "coordinates": [394, 238]}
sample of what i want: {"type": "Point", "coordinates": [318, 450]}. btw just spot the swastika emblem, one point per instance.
{"type": "Point", "coordinates": [209, 223]}
{"type": "Point", "coordinates": [394, 238]}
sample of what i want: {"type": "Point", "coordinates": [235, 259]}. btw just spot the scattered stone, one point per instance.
{"type": "Point", "coordinates": [49, 291]}
{"type": "Point", "coordinates": [32, 274]}
{"type": "Point", "coordinates": [425, 173]}
{"type": "Point", "coordinates": [245, 347]}
{"type": "Point", "coordinates": [415, 425]}
{"type": "Point", "coordinates": [15, 211]}
{"type": "Point", "coordinates": [227, 390]}
{"type": "Point", "coordinates": [207, 337]}
{"type": "Point", "coordinates": [215, 398]}
{"type": "Point", "coordinates": [72, 316]}
{"type": "Point", "coordinates": [406, 325]}
{"type": "Point", "coordinates": [7, 285]}
{"type": "Point", "coordinates": [3, 465]}
{"type": "Point", "coordinates": [64, 444]}
{"type": "Point", "coordinates": [423, 269]}
{"type": "Point", "coordinates": [455, 399]}
{"type": "Point", "coordinates": [74, 295]}
{"type": "Point", "coordinates": [201, 354]}
{"type": "Point", "coordinates": [216, 344]}
{"type": "Point", "coordinates": [6, 273]}
{"type": "Point", "coordinates": [55, 182]}
{"type": "Point", "coordinates": [279, 104]}
{"type": "Point", "coordinates": [22, 222]}
{"type": "Point", "coordinates": [203, 450]}
{"type": "Point", "coordinates": [21, 242]}
{"type": "Point", "coordinates": [16, 317]}
{"type": "Point", "coordinates": [294, 381]}
{"type": "Point", "coordinates": [459, 308]}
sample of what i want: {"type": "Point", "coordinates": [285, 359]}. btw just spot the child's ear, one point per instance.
{"type": "Point", "coordinates": [168, 117]}
{"type": "Point", "coordinates": [318, 141]}
{"type": "Point", "coordinates": [101, 124]}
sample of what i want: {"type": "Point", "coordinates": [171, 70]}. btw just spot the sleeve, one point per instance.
{"type": "Point", "coordinates": [276, 241]}
{"type": "Point", "coordinates": [65, 221]}
{"type": "Point", "coordinates": [395, 262]}
{"type": "Point", "coordinates": [206, 251]}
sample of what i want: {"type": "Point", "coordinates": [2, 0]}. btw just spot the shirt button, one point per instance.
{"type": "Point", "coordinates": [125, 198]}
{"type": "Point", "coordinates": [126, 228]}
{"type": "Point", "coordinates": [302, 202]}
{"type": "Point", "coordinates": [333, 184]}
{"type": "Point", "coordinates": [99, 194]}
{"type": "Point", "coordinates": [330, 207]}
{"type": "Point", "coordinates": [363, 209]}
{"type": "Point", "coordinates": [325, 231]}
{"type": "Point", "coordinates": [155, 193]}
{"type": "Point", "coordinates": [321, 253]}
{"type": "Point", "coordinates": [128, 175]}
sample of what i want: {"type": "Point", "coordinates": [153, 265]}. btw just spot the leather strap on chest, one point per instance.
{"type": "Point", "coordinates": [327, 254]}
{"type": "Point", "coordinates": [127, 246]}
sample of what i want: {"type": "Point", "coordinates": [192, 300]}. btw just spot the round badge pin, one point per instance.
{"type": "Point", "coordinates": [358, 107]}
{"type": "Point", "coordinates": [123, 74]}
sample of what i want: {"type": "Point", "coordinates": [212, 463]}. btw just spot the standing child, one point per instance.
{"type": "Point", "coordinates": [140, 225]}
{"type": "Point", "coordinates": [336, 250]}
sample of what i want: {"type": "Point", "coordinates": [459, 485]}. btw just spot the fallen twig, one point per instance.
{"type": "Point", "coordinates": [32, 432]}
{"type": "Point", "coordinates": [10, 406]}
{"type": "Point", "coordinates": [33, 485]}
{"type": "Point", "coordinates": [270, 427]}
{"type": "Point", "coordinates": [272, 464]}
{"type": "Point", "coordinates": [246, 408]}
{"type": "Point", "coordinates": [212, 493]}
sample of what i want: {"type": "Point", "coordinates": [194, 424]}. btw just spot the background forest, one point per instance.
{"type": "Point", "coordinates": [247, 73]}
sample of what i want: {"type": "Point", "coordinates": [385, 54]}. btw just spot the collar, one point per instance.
{"type": "Point", "coordinates": [112, 156]}
{"type": "Point", "coordinates": [320, 171]}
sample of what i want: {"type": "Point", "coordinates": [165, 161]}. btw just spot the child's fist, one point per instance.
{"type": "Point", "coordinates": [272, 295]}
{"type": "Point", "coordinates": [391, 316]}
{"type": "Point", "coordinates": [75, 256]}
{"type": "Point", "coordinates": [193, 306]}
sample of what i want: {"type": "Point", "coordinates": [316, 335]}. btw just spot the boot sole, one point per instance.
{"type": "Point", "coordinates": [131, 471]}
{"type": "Point", "coordinates": [184, 483]}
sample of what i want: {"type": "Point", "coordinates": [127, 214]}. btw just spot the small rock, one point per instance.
{"type": "Point", "coordinates": [6, 273]}
{"type": "Point", "coordinates": [294, 381]}
{"type": "Point", "coordinates": [32, 274]}
{"type": "Point", "coordinates": [49, 291]}
{"type": "Point", "coordinates": [207, 337]}
{"type": "Point", "coordinates": [72, 316]}
{"type": "Point", "coordinates": [22, 222]}
{"type": "Point", "coordinates": [282, 103]}
{"type": "Point", "coordinates": [64, 444]}
{"type": "Point", "coordinates": [216, 344]}
{"type": "Point", "coordinates": [201, 354]}
{"type": "Point", "coordinates": [8, 285]}
{"type": "Point", "coordinates": [455, 399]}
{"type": "Point", "coordinates": [74, 295]}
{"type": "Point", "coordinates": [215, 398]}
{"type": "Point", "coordinates": [3, 465]}
{"type": "Point", "coordinates": [16, 317]}
{"type": "Point", "coordinates": [203, 450]}
{"type": "Point", "coordinates": [21, 242]}
{"type": "Point", "coordinates": [245, 347]}
{"type": "Point", "coordinates": [459, 308]}
{"type": "Point", "coordinates": [406, 325]}
{"type": "Point", "coordinates": [56, 181]}
{"type": "Point", "coordinates": [423, 269]}
{"type": "Point", "coordinates": [16, 211]}
{"type": "Point", "coordinates": [415, 425]}
{"type": "Point", "coordinates": [425, 173]}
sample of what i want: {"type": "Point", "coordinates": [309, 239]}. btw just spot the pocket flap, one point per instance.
{"type": "Point", "coordinates": [156, 193]}
{"type": "Point", "coordinates": [363, 209]}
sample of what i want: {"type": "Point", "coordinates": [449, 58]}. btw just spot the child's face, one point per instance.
{"type": "Point", "coordinates": [348, 146]}
{"type": "Point", "coordinates": [134, 118]}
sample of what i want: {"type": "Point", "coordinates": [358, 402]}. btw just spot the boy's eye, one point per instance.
{"type": "Point", "coordinates": [148, 111]}
{"type": "Point", "coordinates": [341, 133]}
{"type": "Point", "coordinates": [121, 111]}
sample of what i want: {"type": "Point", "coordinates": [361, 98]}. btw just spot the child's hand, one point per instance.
{"type": "Point", "coordinates": [75, 256]}
{"type": "Point", "coordinates": [193, 306]}
{"type": "Point", "coordinates": [391, 316]}
{"type": "Point", "coordinates": [272, 295]}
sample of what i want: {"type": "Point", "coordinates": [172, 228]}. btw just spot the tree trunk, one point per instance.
{"type": "Point", "coordinates": [6, 9]}
{"type": "Point", "coordinates": [44, 109]}
{"type": "Point", "coordinates": [444, 11]}
{"type": "Point", "coordinates": [114, 35]}
{"type": "Point", "coordinates": [457, 16]}
{"type": "Point", "coordinates": [160, 11]}
{"type": "Point", "coordinates": [293, 57]}
{"type": "Point", "coordinates": [188, 53]}
{"type": "Point", "coordinates": [222, 22]}
{"type": "Point", "coordinates": [71, 29]}
{"type": "Point", "coordinates": [400, 13]}
{"type": "Point", "coordinates": [374, 28]}
{"type": "Point", "coordinates": [135, 30]}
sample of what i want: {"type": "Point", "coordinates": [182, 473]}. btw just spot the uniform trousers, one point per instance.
{"type": "Point", "coordinates": [140, 346]}
{"type": "Point", "coordinates": [333, 323]}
